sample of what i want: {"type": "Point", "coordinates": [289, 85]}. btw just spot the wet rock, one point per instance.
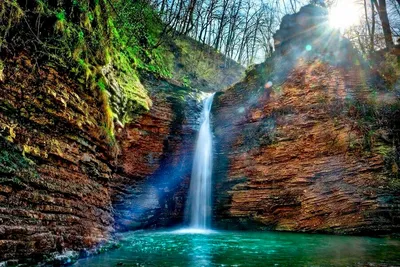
{"type": "Point", "coordinates": [151, 183]}
{"type": "Point", "coordinates": [66, 258]}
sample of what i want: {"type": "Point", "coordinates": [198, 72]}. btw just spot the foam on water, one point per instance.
{"type": "Point", "coordinates": [194, 231]}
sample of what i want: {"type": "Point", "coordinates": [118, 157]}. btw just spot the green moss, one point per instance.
{"type": "Point", "coordinates": [41, 7]}
{"type": "Point", "coordinates": [102, 85]}
{"type": "Point", "coordinates": [11, 162]}
{"type": "Point", "coordinates": [383, 149]}
{"type": "Point", "coordinates": [90, 36]}
{"type": "Point", "coordinates": [368, 139]}
{"type": "Point", "coordinates": [10, 15]}
{"type": "Point", "coordinates": [277, 89]}
{"type": "Point", "coordinates": [61, 15]}
{"type": "Point", "coordinates": [392, 160]}
{"type": "Point", "coordinates": [108, 126]}
{"type": "Point", "coordinates": [15, 168]}
{"type": "Point", "coordinates": [190, 60]}
{"type": "Point", "coordinates": [1, 70]}
{"type": "Point", "coordinates": [389, 68]}
{"type": "Point", "coordinates": [186, 81]}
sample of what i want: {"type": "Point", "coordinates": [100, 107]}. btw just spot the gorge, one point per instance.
{"type": "Point", "coordinates": [102, 151]}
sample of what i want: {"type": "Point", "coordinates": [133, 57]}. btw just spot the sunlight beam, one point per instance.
{"type": "Point", "coordinates": [344, 15]}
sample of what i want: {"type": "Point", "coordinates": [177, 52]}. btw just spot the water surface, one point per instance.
{"type": "Point", "coordinates": [183, 248]}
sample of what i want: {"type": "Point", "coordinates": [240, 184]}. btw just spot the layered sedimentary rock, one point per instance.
{"type": "Point", "coordinates": [65, 182]}
{"type": "Point", "coordinates": [156, 158]}
{"type": "Point", "coordinates": [292, 152]}
{"type": "Point", "coordinates": [55, 163]}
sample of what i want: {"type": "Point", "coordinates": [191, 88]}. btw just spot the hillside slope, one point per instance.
{"type": "Point", "coordinates": [200, 66]}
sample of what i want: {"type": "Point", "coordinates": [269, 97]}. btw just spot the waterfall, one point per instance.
{"type": "Point", "coordinates": [199, 201]}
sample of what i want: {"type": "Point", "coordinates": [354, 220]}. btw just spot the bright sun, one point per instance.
{"type": "Point", "coordinates": [344, 14]}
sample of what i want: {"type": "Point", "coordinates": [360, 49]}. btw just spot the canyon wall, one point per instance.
{"type": "Point", "coordinates": [66, 183]}
{"type": "Point", "coordinates": [156, 159]}
{"type": "Point", "coordinates": [56, 163]}
{"type": "Point", "coordinates": [297, 145]}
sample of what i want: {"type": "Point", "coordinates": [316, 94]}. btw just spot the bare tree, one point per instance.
{"type": "Point", "coordinates": [241, 29]}
{"type": "Point", "coordinates": [383, 16]}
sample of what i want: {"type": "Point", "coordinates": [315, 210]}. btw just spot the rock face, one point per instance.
{"type": "Point", "coordinates": [291, 152]}
{"type": "Point", "coordinates": [55, 164]}
{"type": "Point", "coordinates": [65, 183]}
{"type": "Point", "coordinates": [156, 160]}
{"type": "Point", "coordinates": [305, 27]}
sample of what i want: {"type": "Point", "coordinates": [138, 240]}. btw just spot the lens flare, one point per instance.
{"type": "Point", "coordinates": [268, 85]}
{"type": "Point", "coordinates": [344, 15]}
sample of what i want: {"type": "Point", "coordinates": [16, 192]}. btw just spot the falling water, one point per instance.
{"type": "Point", "coordinates": [199, 200]}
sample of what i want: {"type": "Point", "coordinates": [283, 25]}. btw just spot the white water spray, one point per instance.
{"type": "Point", "coordinates": [199, 201]}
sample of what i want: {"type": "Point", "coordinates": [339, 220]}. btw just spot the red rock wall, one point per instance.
{"type": "Point", "coordinates": [64, 184]}
{"type": "Point", "coordinates": [155, 162]}
{"type": "Point", "coordinates": [290, 158]}
{"type": "Point", "coordinates": [54, 166]}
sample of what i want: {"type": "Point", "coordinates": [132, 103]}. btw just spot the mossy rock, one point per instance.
{"type": "Point", "coordinates": [15, 168]}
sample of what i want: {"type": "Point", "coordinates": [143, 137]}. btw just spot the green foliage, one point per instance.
{"type": "Point", "coordinates": [392, 160]}
{"type": "Point", "coordinates": [186, 81]}
{"type": "Point", "coordinates": [11, 162]}
{"type": "Point", "coordinates": [1, 70]}
{"type": "Point", "coordinates": [195, 65]}
{"type": "Point", "coordinates": [196, 61]}
{"type": "Point", "coordinates": [363, 114]}
{"type": "Point", "coordinates": [379, 124]}
{"type": "Point", "coordinates": [86, 36]}
{"type": "Point", "coordinates": [389, 69]}
{"type": "Point", "coordinates": [142, 27]}
{"type": "Point", "coordinates": [10, 15]}
{"type": "Point", "coordinates": [102, 85]}
{"type": "Point", "coordinates": [61, 15]}
{"type": "Point", "coordinates": [108, 113]}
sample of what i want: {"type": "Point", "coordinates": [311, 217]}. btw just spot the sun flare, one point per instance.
{"type": "Point", "coordinates": [344, 14]}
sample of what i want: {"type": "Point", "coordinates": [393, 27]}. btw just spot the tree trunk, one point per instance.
{"type": "Point", "coordinates": [383, 16]}
{"type": "Point", "coordinates": [221, 25]}
{"type": "Point", "coordinates": [372, 37]}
